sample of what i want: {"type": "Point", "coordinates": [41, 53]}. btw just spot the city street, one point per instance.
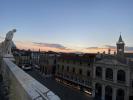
{"type": "Point", "coordinates": [64, 92]}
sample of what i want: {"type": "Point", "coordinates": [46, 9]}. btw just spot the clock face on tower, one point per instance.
{"type": "Point", "coordinates": [120, 49]}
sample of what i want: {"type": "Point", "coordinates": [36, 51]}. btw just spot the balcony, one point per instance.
{"type": "Point", "coordinates": [120, 82]}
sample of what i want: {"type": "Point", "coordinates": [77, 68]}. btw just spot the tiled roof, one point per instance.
{"type": "Point", "coordinates": [77, 57]}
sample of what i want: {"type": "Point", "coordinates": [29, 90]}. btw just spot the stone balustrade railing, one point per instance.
{"type": "Point", "coordinates": [22, 86]}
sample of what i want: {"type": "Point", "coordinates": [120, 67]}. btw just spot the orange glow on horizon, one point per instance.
{"type": "Point", "coordinates": [101, 50]}
{"type": "Point", "coordinates": [32, 46]}
{"type": "Point", "coordinates": [29, 45]}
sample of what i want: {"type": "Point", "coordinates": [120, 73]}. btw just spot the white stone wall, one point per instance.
{"type": "Point", "coordinates": [22, 86]}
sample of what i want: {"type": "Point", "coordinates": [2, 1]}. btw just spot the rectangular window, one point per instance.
{"type": "Point", "coordinates": [73, 62]}
{"type": "Point", "coordinates": [80, 62]}
{"type": "Point", "coordinates": [132, 83]}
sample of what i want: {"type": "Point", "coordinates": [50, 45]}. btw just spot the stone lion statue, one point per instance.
{"type": "Point", "coordinates": [6, 45]}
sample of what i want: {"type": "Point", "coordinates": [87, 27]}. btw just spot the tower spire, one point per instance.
{"type": "Point", "coordinates": [120, 41]}
{"type": "Point", "coordinates": [120, 38]}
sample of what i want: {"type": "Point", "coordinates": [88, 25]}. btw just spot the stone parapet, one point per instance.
{"type": "Point", "coordinates": [22, 86]}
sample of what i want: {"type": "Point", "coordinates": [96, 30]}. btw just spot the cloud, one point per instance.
{"type": "Point", "coordinates": [92, 48]}
{"type": "Point", "coordinates": [128, 48]}
{"type": "Point", "coordinates": [59, 46]}
{"type": "Point", "coordinates": [42, 46]}
{"type": "Point", "coordinates": [105, 48]}
{"type": "Point", "coordinates": [109, 46]}
{"type": "Point", "coordinates": [102, 47]}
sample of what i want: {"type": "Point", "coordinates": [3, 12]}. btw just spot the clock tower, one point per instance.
{"type": "Point", "coordinates": [120, 47]}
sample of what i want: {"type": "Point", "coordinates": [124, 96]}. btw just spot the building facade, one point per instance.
{"type": "Point", "coordinates": [104, 76]}
{"type": "Point", "coordinates": [48, 63]}
{"type": "Point", "coordinates": [112, 76]}
{"type": "Point", "coordinates": [76, 70]}
{"type": "Point", "coordinates": [22, 57]}
{"type": "Point", "coordinates": [111, 80]}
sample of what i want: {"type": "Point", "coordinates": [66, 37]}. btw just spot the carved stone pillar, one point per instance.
{"type": "Point", "coordinates": [114, 94]}
{"type": "Point", "coordinates": [103, 73]}
{"type": "Point", "coordinates": [115, 75]}
{"type": "Point", "coordinates": [94, 74]}
{"type": "Point", "coordinates": [126, 97]}
{"type": "Point", "coordinates": [103, 92]}
{"type": "Point", "coordinates": [128, 78]}
{"type": "Point", "coordinates": [93, 90]}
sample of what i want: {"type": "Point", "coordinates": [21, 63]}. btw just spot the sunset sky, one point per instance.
{"type": "Point", "coordinates": [68, 25]}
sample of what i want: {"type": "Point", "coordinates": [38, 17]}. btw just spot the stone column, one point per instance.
{"type": "Point", "coordinates": [93, 90]}
{"type": "Point", "coordinates": [115, 75]}
{"type": "Point", "coordinates": [103, 92]}
{"type": "Point", "coordinates": [114, 94]}
{"type": "Point", "coordinates": [94, 70]}
{"type": "Point", "coordinates": [103, 73]}
{"type": "Point", "coordinates": [126, 97]}
{"type": "Point", "coordinates": [127, 77]}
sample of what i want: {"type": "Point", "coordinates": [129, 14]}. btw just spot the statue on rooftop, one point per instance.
{"type": "Point", "coordinates": [6, 45]}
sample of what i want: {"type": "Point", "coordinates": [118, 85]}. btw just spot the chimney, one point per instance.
{"type": "Point", "coordinates": [103, 52]}
{"type": "Point", "coordinates": [109, 50]}
{"type": "Point", "coordinates": [114, 52]}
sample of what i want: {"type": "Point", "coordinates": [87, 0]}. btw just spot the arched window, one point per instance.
{"type": "Point", "coordinates": [120, 94]}
{"type": "Point", "coordinates": [109, 74]}
{"type": "Point", "coordinates": [121, 76]}
{"type": "Point", "coordinates": [108, 93]}
{"type": "Point", "coordinates": [98, 91]}
{"type": "Point", "coordinates": [99, 72]}
{"type": "Point", "coordinates": [62, 67]}
{"type": "Point", "coordinates": [88, 73]}
{"type": "Point", "coordinates": [58, 66]}
{"type": "Point", "coordinates": [80, 62]}
{"type": "Point", "coordinates": [73, 70]}
{"type": "Point", "coordinates": [67, 68]}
